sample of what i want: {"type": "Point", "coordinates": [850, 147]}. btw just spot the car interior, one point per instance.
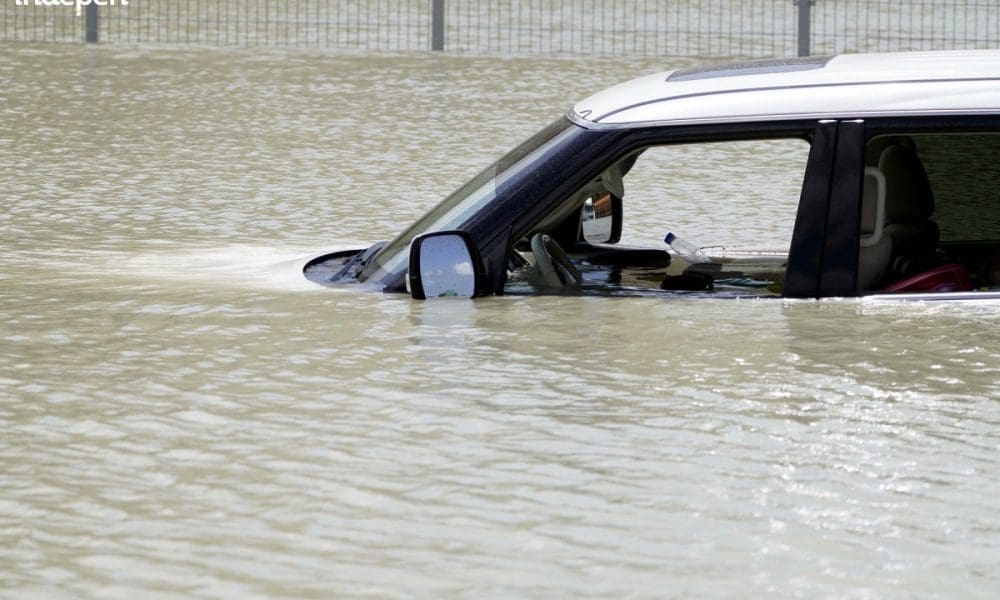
{"type": "Point", "coordinates": [576, 246]}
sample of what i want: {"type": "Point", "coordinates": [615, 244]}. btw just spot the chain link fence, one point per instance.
{"type": "Point", "coordinates": [707, 28]}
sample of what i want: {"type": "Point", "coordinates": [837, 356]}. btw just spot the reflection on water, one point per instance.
{"type": "Point", "coordinates": [184, 415]}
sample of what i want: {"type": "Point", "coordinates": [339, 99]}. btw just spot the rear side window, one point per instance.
{"type": "Point", "coordinates": [941, 206]}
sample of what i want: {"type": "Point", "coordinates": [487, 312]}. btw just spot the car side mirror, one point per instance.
{"type": "Point", "coordinates": [601, 219]}
{"type": "Point", "coordinates": [444, 264]}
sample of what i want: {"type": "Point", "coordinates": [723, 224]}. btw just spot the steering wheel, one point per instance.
{"type": "Point", "coordinates": [553, 265]}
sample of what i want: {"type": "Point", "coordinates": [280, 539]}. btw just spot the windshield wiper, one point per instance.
{"type": "Point", "coordinates": [359, 261]}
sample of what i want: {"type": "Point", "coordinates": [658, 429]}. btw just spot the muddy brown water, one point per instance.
{"type": "Point", "coordinates": [183, 414]}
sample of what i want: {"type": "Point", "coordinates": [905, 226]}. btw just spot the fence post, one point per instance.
{"type": "Point", "coordinates": [93, 21]}
{"type": "Point", "coordinates": [437, 24]}
{"type": "Point", "coordinates": [805, 20]}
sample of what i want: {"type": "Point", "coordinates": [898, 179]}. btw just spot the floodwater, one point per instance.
{"type": "Point", "coordinates": [183, 414]}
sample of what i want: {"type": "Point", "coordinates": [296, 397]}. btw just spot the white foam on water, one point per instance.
{"type": "Point", "coordinates": [243, 266]}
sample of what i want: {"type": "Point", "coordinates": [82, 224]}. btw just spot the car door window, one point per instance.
{"type": "Point", "coordinates": [735, 200]}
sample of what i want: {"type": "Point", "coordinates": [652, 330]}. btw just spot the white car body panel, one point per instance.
{"type": "Point", "coordinates": [846, 86]}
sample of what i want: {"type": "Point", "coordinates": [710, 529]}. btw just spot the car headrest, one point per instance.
{"type": "Point", "coordinates": [878, 145]}
{"type": "Point", "coordinates": [908, 194]}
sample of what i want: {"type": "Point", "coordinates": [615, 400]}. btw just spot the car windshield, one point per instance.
{"type": "Point", "coordinates": [457, 208]}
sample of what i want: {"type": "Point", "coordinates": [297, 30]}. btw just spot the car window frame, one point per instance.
{"type": "Point", "coordinates": [804, 255]}
{"type": "Point", "coordinates": [846, 205]}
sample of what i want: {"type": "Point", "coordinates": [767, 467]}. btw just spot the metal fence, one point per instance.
{"type": "Point", "coordinates": [709, 28]}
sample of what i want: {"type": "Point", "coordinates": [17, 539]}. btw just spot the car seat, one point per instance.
{"type": "Point", "coordinates": [909, 204]}
{"type": "Point", "coordinates": [875, 251]}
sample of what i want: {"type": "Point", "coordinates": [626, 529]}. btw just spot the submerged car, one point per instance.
{"type": "Point", "coordinates": [860, 175]}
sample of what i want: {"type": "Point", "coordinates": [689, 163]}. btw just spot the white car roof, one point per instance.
{"type": "Point", "coordinates": [845, 86]}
